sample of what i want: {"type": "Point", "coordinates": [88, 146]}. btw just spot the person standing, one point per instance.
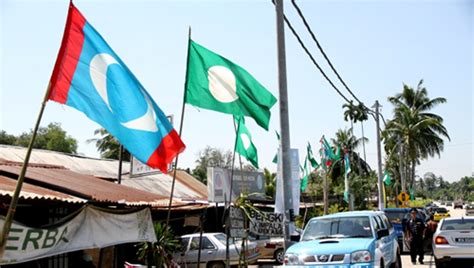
{"type": "Point", "coordinates": [416, 229]}
{"type": "Point", "coordinates": [431, 227]}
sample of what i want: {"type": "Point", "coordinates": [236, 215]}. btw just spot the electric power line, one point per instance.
{"type": "Point", "coordinates": [313, 36]}
{"type": "Point", "coordinates": [312, 58]}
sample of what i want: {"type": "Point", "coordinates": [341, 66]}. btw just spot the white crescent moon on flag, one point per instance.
{"type": "Point", "coordinates": [98, 73]}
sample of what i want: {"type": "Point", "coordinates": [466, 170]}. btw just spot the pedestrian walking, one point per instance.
{"type": "Point", "coordinates": [431, 227]}
{"type": "Point", "coordinates": [416, 229]}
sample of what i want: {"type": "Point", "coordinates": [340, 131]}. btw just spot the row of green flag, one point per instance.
{"type": "Point", "coordinates": [215, 83]}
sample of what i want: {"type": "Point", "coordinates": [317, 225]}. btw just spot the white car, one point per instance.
{"type": "Point", "coordinates": [470, 210]}
{"type": "Point", "coordinates": [213, 251]}
{"type": "Point", "coordinates": [454, 241]}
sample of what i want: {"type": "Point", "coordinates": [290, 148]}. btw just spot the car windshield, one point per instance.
{"type": "Point", "coordinates": [458, 224]}
{"type": "Point", "coordinates": [395, 216]}
{"type": "Point", "coordinates": [222, 238]}
{"type": "Point", "coordinates": [343, 227]}
{"type": "Point", "coordinates": [441, 210]}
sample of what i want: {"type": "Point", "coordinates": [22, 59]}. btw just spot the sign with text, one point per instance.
{"type": "Point", "coordinates": [236, 222]}
{"type": "Point", "coordinates": [267, 223]}
{"type": "Point", "coordinates": [90, 228]}
{"type": "Point", "coordinates": [248, 182]}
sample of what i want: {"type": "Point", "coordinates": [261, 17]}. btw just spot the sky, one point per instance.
{"type": "Point", "coordinates": [376, 46]}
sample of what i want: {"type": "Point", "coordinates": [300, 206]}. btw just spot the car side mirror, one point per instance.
{"type": "Point", "coordinates": [381, 233]}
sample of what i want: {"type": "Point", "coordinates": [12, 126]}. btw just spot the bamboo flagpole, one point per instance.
{"type": "Point", "coordinates": [180, 133]}
{"type": "Point", "coordinates": [14, 201]}
{"type": "Point", "coordinates": [227, 253]}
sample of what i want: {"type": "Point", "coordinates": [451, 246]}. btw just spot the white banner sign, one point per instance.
{"type": "Point", "coordinates": [91, 228]}
{"type": "Point", "coordinates": [267, 223]}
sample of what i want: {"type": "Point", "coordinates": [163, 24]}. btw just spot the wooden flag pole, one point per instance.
{"type": "Point", "coordinates": [14, 201]}
{"type": "Point", "coordinates": [227, 253]}
{"type": "Point", "coordinates": [180, 133]}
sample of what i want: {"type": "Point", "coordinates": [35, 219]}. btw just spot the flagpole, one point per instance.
{"type": "Point", "coordinates": [227, 253]}
{"type": "Point", "coordinates": [14, 201]}
{"type": "Point", "coordinates": [180, 133]}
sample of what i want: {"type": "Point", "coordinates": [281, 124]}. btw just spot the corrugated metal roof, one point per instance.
{"type": "Point", "coordinates": [103, 168]}
{"type": "Point", "coordinates": [29, 191]}
{"type": "Point", "coordinates": [86, 186]}
{"type": "Point", "coordinates": [186, 186]}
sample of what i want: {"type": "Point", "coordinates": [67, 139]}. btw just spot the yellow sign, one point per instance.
{"type": "Point", "coordinates": [403, 197]}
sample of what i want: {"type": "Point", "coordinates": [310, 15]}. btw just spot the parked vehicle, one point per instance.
{"type": "Point", "coordinates": [470, 210]}
{"type": "Point", "coordinates": [449, 203]}
{"type": "Point", "coordinates": [270, 247]}
{"type": "Point", "coordinates": [213, 251]}
{"type": "Point", "coordinates": [359, 238]}
{"type": "Point", "coordinates": [441, 213]}
{"type": "Point", "coordinates": [398, 217]}
{"type": "Point", "coordinates": [454, 241]}
{"type": "Point", "coordinates": [457, 204]}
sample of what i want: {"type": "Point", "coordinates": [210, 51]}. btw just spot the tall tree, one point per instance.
{"type": "Point", "coordinates": [108, 146]}
{"type": "Point", "coordinates": [52, 137]}
{"type": "Point", "coordinates": [414, 128]}
{"type": "Point", "coordinates": [211, 157]}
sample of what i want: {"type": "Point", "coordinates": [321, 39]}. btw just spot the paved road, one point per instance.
{"type": "Point", "coordinates": [406, 262]}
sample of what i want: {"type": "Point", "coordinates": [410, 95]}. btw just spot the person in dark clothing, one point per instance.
{"type": "Point", "coordinates": [416, 229]}
{"type": "Point", "coordinates": [431, 227]}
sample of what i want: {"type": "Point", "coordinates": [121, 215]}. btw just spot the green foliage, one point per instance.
{"type": "Point", "coordinates": [211, 157]}
{"type": "Point", "coordinates": [52, 137]}
{"type": "Point", "coordinates": [161, 251]}
{"type": "Point", "coordinates": [335, 208]}
{"type": "Point", "coordinates": [270, 183]}
{"type": "Point", "coordinates": [108, 146]}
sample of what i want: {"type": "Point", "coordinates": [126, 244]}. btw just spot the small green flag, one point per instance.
{"type": "Point", "coordinates": [328, 152]}
{"type": "Point", "coordinates": [275, 158]}
{"type": "Point", "coordinates": [310, 157]}
{"type": "Point", "coordinates": [306, 174]}
{"type": "Point", "coordinates": [215, 83]}
{"type": "Point", "coordinates": [244, 145]}
{"type": "Point", "coordinates": [387, 179]}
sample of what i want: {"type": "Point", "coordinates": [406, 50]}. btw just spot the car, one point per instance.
{"type": "Point", "coordinates": [346, 239]}
{"type": "Point", "coordinates": [454, 241]}
{"type": "Point", "coordinates": [398, 217]}
{"type": "Point", "coordinates": [470, 210]}
{"type": "Point", "coordinates": [270, 247]}
{"type": "Point", "coordinates": [457, 204]}
{"type": "Point", "coordinates": [449, 203]}
{"type": "Point", "coordinates": [441, 213]}
{"type": "Point", "coordinates": [213, 251]}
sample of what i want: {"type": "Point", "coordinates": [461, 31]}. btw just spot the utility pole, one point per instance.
{"type": "Point", "coordinates": [381, 200]}
{"type": "Point", "coordinates": [325, 193]}
{"type": "Point", "coordinates": [284, 122]}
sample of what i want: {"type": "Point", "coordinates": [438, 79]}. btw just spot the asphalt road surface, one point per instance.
{"type": "Point", "coordinates": [406, 262]}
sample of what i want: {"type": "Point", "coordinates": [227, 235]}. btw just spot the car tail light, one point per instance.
{"type": "Point", "coordinates": [440, 240]}
{"type": "Point", "coordinates": [270, 245]}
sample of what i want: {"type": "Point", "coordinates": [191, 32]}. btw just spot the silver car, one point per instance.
{"type": "Point", "coordinates": [454, 241]}
{"type": "Point", "coordinates": [213, 251]}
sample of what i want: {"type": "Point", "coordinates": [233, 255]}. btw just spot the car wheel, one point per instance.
{"type": "Point", "coordinates": [439, 264]}
{"type": "Point", "coordinates": [279, 256]}
{"type": "Point", "coordinates": [216, 265]}
{"type": "Point", "coordinates": [397, 263]}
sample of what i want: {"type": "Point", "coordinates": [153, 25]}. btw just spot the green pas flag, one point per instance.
{"type": "Point", "coordinates": [386, 178]}
{"type": "Point", "coordinates": [306, 173]}
{"type": "Point", "coordinates": [244, 145]}
{"type": "Point", "coordinates": [275, 158]}
{"type": "Point", "coordinates": [310, 157]}
{"type": "Point", "coordinates": [215, 83]}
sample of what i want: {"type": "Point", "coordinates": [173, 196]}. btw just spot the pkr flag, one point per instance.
{"type": "Point", "coordinates": [90, 77]}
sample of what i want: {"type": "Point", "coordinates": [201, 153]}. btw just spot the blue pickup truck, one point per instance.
{"type": "Point", "coordinates": [346, 240]}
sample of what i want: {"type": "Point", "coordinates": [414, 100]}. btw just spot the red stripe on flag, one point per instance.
{"type": "Point", "coordinates": [68, 56]}
{"type": "Point", "coordinates": [171, 145]}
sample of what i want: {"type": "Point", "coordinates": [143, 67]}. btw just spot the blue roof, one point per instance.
{"type": "Point", "coordinates": [351, 214]}
{"type": "Point", "coordinates": [397, 209]}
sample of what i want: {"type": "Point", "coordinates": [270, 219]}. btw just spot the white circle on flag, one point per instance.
{"type": "Point", "coordinates": [222, 84]}
{"type": "Point", "coordinates": [245, 140]}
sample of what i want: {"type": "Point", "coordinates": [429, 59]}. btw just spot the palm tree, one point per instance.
{"type": "Point", "coordinates": [414, 128]}
{"type": "Point", "coordinates": [108, 146]}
